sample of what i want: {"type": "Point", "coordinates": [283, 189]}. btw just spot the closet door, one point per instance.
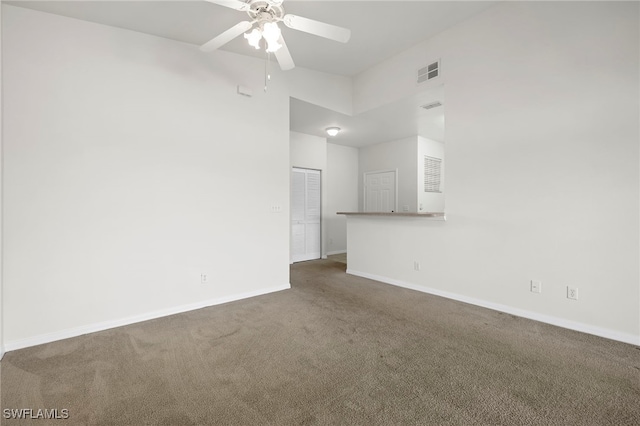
{"type": "Point", "coordinates": [305, 215]}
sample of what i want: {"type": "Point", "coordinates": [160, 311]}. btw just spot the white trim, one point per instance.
{"type": "Point", "coordinates": [105, 325]}
{"type": "Point", "coordinates": [560, 322]}
{"type": "Point", "coordinates": [1, 352]}
{"type": "Point", "coordinates": [331, 253]}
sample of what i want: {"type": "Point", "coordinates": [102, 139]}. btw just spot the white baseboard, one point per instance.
{"type": "Point", "coordinates": [92, 328]}
{"type": "Point", "coordinates": [560, 322]}
{"type": "Point", "coordinates": [331, 253]}
{"type": "Point", "coordinates": [1, 352]}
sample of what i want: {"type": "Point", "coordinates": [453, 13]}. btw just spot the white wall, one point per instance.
{"type": "Point", "coordinates": [131, 166]}
{"type": "Point", "coordinates": [310, 152]}
{"type": "Point", "coordinates": [330, 91]}
{"type": "Point", "coordinates": [430, 201]}
{"type": "Point", "coordinates": [115, 141]}
{"type": "Point", "coordinates": [342, 194]}
{"type": "Point", "coordinates": [401, 155]}
{"type": "Point", "coordinates": [393, 80]}
{"type": "Point", "coordinates": [542, 167]}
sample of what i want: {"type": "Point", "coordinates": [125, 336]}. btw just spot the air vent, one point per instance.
{"type": "Point", "coordinates": [435, 104]}
{"type": "Point", "coordinates": [429, 72]}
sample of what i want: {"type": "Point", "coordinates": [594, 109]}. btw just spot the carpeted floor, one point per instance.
{"type": "Point", "coordinates": [342, 257]}
{"type": "Point", "coordinates": [335, 349]}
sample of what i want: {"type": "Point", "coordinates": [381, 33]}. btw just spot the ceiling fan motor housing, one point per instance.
{"type": "Point", "coordinates": [265, 11]}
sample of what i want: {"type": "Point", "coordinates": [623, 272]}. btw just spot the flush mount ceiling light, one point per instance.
{"type": "Point", "coordinates": [332, 131]}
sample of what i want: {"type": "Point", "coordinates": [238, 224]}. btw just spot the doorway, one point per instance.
{"type": "Point", "coordinates": [305, 215]}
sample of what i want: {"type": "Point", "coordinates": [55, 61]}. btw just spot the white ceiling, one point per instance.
{"type": "Point", "coordinates": [380, 29]}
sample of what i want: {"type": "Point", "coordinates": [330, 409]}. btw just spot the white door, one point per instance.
{"type": "Point", "coordinates": [380, 191]}
{"type": "Point", "coordinates": [305, 215]}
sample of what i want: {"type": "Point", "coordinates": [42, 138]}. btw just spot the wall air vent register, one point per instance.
{"type": "Point", "coordinates": [429, 72]}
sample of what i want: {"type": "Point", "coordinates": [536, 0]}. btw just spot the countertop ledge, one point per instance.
{"type": "Point", "coordinates": [395, 214]}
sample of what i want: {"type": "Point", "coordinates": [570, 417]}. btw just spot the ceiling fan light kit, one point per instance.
{"type": "Point", "coordinates": [265, 15]}
{"type": "Point", "coordinates": [271, 33]}
{"type": "Point", "coordinates": [254, 38]}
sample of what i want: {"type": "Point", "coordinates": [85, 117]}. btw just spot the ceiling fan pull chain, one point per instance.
{"type": "Point", "coordinates": [267, 76]}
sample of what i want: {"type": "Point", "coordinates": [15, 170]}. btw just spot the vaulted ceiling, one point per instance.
{"type": "Point", "coordinates": [380, 30]}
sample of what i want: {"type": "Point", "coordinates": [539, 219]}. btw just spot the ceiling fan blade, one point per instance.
{"type": "Point", "coordinates": [317, 28]}
{"type": "Point", "coordinates": [233, 4]}
{"type": "Point", "coordinates": [226, 36]}
{"type": "Point", "coordinates": [284, 57]}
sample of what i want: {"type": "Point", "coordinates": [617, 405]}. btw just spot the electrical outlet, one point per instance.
{"type": "Point", "coordinates": [405, 208]}
{"type": "Point", "coordinates": [572, 293]}
{"type": "Point", "coordinates": [416, 266]}
{"type": "Point", "coordinates": [536, 286]}
{"type": "Point", "coordinates": [204, 278]}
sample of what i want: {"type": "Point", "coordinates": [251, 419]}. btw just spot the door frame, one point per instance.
{"type": "Point", "coordinates": [364, 187]}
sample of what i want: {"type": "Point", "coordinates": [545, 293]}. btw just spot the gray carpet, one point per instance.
{"type": "Point", "coordinates": [335, 349]}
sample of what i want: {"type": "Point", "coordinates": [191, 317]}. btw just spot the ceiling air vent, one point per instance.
{"type": "Point", "coordinates": [429, 72]}
{"type": "Point", "coordinates": [435, 104]}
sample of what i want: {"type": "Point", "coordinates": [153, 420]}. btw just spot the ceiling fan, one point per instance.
{"type": "Point", "coordinates": [264, 17]}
